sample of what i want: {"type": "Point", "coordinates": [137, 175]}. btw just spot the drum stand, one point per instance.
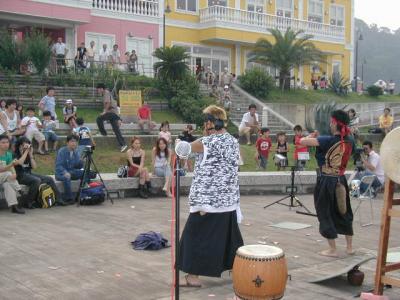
{"type": "Point", "coordinates": [294, 200]}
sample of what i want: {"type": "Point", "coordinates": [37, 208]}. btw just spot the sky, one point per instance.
{"type": "Point", "coordinates": [384, 13]}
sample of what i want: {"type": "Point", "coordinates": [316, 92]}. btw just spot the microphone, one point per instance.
{"type": "Point", "coordinates": [183, 149]}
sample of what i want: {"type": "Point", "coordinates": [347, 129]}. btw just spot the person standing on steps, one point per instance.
{"type": "Point", "coordinates": [110, 113]}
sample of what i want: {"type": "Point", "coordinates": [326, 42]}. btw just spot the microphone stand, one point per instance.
{"type": "Point", "coordinates": [177, 225]}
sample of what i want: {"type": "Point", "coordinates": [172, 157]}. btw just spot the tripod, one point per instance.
{"type": "Point", "coordinates": [87, 174]}
{"type": "Point", "coordinates": [294, 200]}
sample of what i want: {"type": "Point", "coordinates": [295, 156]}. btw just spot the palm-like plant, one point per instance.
{"type": "Point", "coordinates": [321, 117]}
{"type": "Point", "coordinates": [172, 64]}
{"type": "Point", "coordinates": [339, 85]}
{"type": "Point", "coordinates": [291, 49]}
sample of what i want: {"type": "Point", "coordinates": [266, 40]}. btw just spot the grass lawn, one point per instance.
{"type": "Point", "coordinates": [311, 96]}
{"type": "Point", "coordinates": [90, 115]}
{"type": "Point", "coordinates": [108, 160]}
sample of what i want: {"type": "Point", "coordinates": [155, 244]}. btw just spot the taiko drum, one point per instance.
{"type": "Point", "coordinates": [259, 273]}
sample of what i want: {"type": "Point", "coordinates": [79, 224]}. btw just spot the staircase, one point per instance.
{"type": "Point", "coordinates": [240, 104]}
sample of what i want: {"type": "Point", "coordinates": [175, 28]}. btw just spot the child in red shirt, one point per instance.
{"type": "Point", "coordinates": [263, 146]}
{"type": "Point", "coordinates": [298, 148]}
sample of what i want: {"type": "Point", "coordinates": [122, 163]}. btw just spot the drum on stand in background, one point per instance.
{"type": "Point", "coordinates": [259, 273]}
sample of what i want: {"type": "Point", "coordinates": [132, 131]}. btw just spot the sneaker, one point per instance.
{"type": "Point", "coordinates": [17, 210]}
{"type": "Point", "coordinates": [123, 148]}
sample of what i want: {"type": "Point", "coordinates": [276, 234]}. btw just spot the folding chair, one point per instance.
{"type": "Point", "coordinates": [367, 195]}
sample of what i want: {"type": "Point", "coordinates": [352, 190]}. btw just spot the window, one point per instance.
{"type": "Point", "coordinates": [316, 11]}
{"type": "Point", "coordinates": [284, 8]}
{"type": "Point", "coordinates": [337, 67]}
{"type": "Point", "coordinates": [337, 15]}
{"type": "Point", "coordinates": [255, 6]}
{"type": "Point", "coordinates": [217, 2]}
{"type": "Point", "coordinates": [186, 5]}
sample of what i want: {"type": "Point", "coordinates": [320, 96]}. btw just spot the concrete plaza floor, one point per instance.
{"type": "Point", "coordinates": [85, 252]}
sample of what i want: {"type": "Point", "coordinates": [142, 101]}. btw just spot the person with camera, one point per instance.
{"type": "Point", "coordinates": [24, 152]}
{"type": "Point", "coordinates": [331, 194]}
{"type": "Point", "coordinates": [69, 167]}
{"type": "Point", "coordinates": [371, 162]}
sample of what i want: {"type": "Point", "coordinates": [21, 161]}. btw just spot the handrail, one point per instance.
{"type": "Point", "coordinates": [256, 101]}
{"type": "Point", "coordinates": [265, 21]}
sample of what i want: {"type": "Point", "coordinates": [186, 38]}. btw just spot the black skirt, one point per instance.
{"type": "Point", "coordinates": [331, 222]}
{"type": "Point", "coordinates": [208, 244]}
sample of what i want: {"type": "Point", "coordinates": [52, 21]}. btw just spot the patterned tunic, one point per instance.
{"type": "Point", "coordinates": [215, 186]}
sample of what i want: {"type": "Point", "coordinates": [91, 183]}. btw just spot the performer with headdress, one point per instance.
{"type": "Point", "coordinates": [211, 235]}
{"type": "Point", "coordinates": [331, 194]}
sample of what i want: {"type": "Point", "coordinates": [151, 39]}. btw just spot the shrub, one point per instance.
{"type": "Point", "coordinates": [12, 54]}
{"type": "Point", "coordinates": [257, 82]}
{"type": "Point", "coordinates": [38, 49]}
{"type": "Point", "coordinates": [339, 85]}
{"type": "Point", "coordinates": [374, 91]}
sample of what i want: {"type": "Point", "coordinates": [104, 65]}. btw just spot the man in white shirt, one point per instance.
{"type": "Point", "coordinates": [225, 78]}
{"type": "Point", "coordinates": [250, 124]}
{"type": "Point", "coordinates": [60, 51]}
{"type": "Point", "coordinates": [373, 166]}
{"type": "Point", "coordinates": [104, 55]}
{"type": "Point", "coordinates": [116, 55]}
{"type": "Point", "coordinates": [90, 54]}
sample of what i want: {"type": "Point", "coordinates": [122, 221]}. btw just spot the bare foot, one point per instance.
{"type": "Point", "coordinates": [350, 251]}
{"type": "Point", "coordinates": [329, 253]}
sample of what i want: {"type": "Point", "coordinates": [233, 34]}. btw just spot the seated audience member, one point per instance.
{"type": "Point", "coordinates": [165, 133]}
{"type": "Point", "coordinates": [69, 113]}
{"type": "Point", "coordinates": [84, 136]}
{"type": "Point", "coordinates": [20, 110]}
{"type": "Point", "coordinates": [12, 189]}
{"type": "Point", "coordinates": [11, 121]}
{"type": "Point", "coordinates": [144, 117]}
{"type": "Point", "coordinates": [136, 157]}
{"type": "Point", "coordinates": [161, 161]}
{"type": "Point", "coordinates": [110, 113]}
{"type": "Point", "coordinates": [298, 147]}
{"type": "Point", "coordinates": [24, 152]}
{"type": "Point", "coordinates": [68, 167]}
{"type": "Point", "coordinates": [386, 121]}
{"type": "Point", "coordinates": [187, 136]}
{"type": "Point", "coordinates": [372, 164]}
{"type": "Point", "coordinates": [250, 123]}
{"type": "Point", "coordinates": [354, 122]}
{"type": "Point", "coordinates": [33, 124]}
{"type": "Point", "coordinates": [214, 93]}
{"type": "Point", "coordinates": [49, 126]}
{"type": "Point", "coordinates": [2, 105]}
{"type": "Point", "coordinates": [226, 98]}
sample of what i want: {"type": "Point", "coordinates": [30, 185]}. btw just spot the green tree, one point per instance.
{"type": "Point", "coordinates": [38, 49]}
{"type": "Point", "coordinates": [13, 53]}
{"type": "Point", "coordinates": [291, 49]}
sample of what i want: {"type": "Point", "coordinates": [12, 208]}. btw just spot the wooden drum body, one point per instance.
{"type": "Point", "coordinates": [259, 273]}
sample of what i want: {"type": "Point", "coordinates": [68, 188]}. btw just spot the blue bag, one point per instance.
{"type": "Point", "coordinates": [92, 195]}
{"type": "Point", "coordinates": [150, 241]}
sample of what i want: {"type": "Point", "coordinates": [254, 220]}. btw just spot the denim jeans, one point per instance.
{"type": "Point", "coordinates": [376, 184]}
{"type": "Point", "coordinates": [113, 119]}
{"type": "Point", "coordinates": [75, 174]}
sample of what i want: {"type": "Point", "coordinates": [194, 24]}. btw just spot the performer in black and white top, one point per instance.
{"type": "Point", "coordinates": [211, 235]}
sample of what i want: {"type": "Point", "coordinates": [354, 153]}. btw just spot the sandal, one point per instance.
{"type": "Point", "coordinates": [187, 283]}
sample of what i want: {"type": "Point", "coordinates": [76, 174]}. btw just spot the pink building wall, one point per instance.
{"type": "Point", "coordinates": [45, 10]}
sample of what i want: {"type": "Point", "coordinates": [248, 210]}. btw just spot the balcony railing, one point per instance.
{"type": "Point", "coordinates": [228, 17]}
{"type": "Point", "coordinates": [137, 7]}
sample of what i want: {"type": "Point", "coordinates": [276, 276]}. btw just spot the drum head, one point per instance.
{"type": "Point", "coordinates": [260, 251]}
{"type": "Point", "coordinates": [390, 155]}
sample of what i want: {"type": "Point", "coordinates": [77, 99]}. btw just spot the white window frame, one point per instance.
{"type": "Point", "coordinates": [139, 54]}
{"type": "Point", "coordinates": [226, 1]}
{"type": "Point", "coordinates": [336, 6]}
{"type": "Point", "coordinates": [256, 3]}
{"type": "Point", "coordinates": [186, 11]}
{"type": "Point", "coordinates": [322, 14]}
{"type": "Point", "coordinates": [339, 63]}
{"type": "Point", "coordinates": [98, 47]}
{"type": "Point", "coordinates": [277, 8]}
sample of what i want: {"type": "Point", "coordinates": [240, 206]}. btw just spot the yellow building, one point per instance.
{"type": "Point", "coordinates": [220, 33]}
